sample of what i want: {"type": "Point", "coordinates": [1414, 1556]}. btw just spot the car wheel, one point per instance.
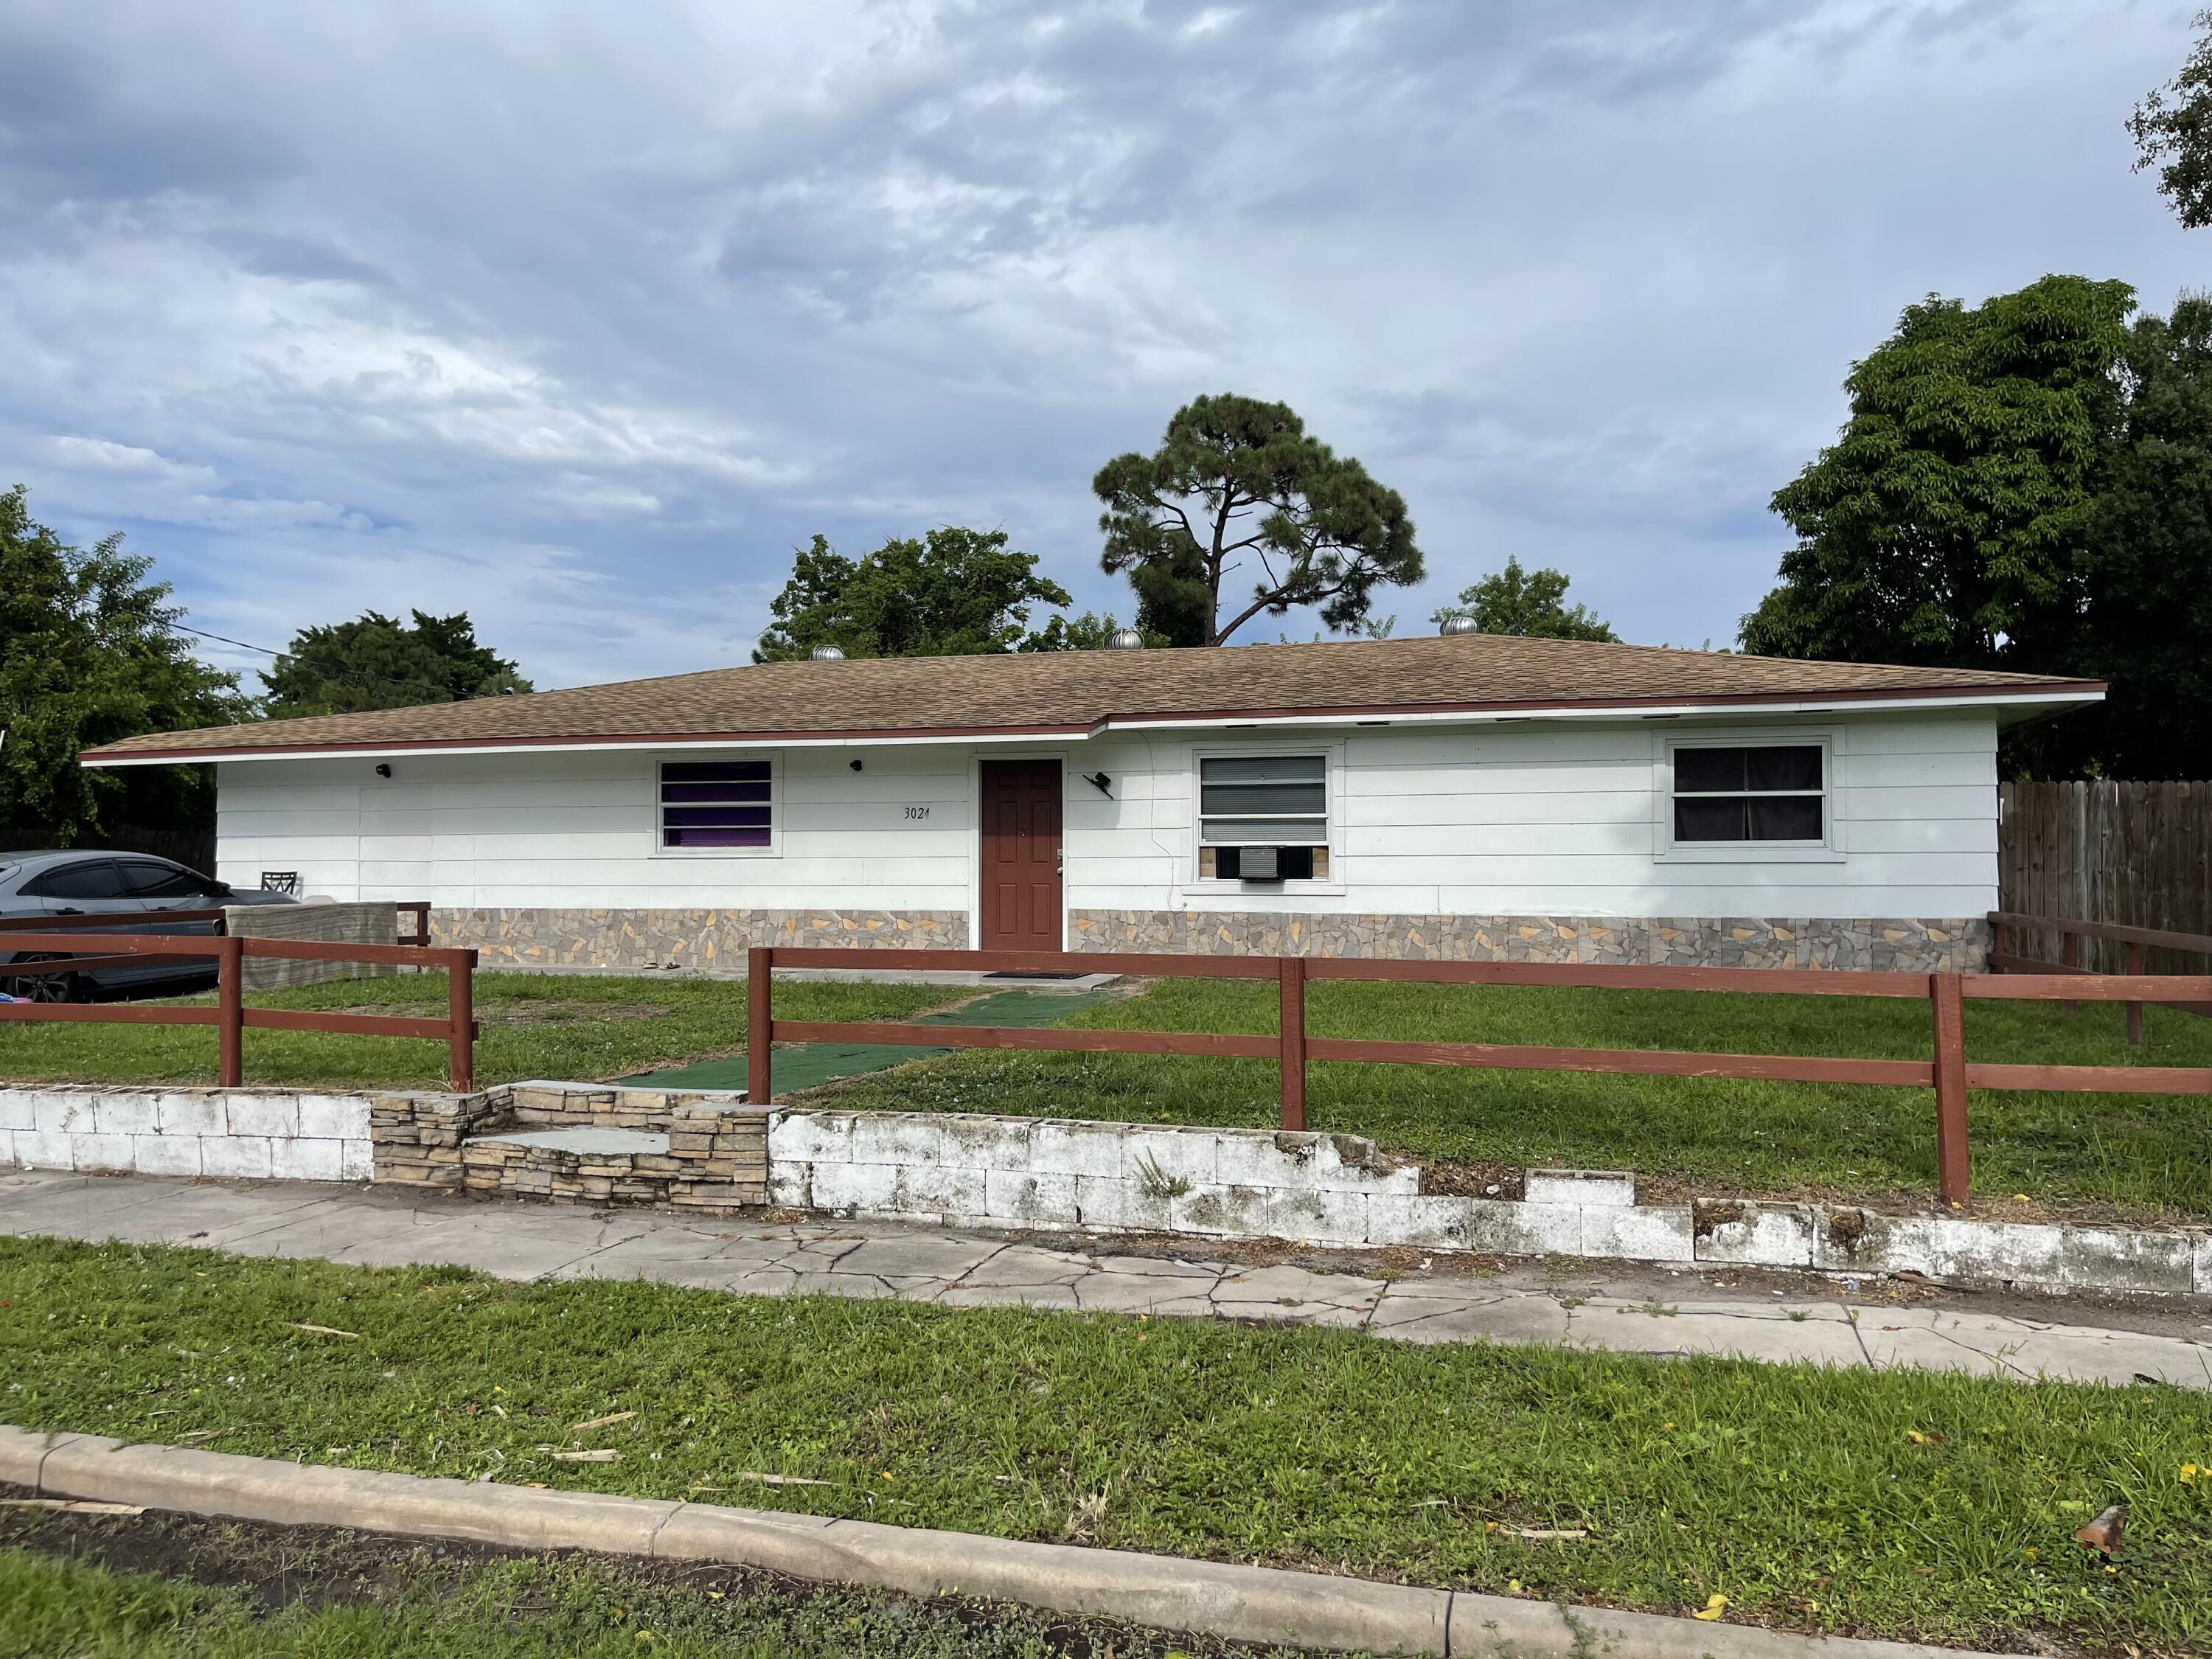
{"type": "Point", "coordinates": [46, 988]}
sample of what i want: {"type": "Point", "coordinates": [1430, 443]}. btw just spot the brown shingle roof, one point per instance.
{"type": "Point", "coordinates": [1076, 691]}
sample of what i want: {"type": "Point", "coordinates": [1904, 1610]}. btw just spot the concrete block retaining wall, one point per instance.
{"type": "Point", "coordinates": [1338, 1190]}
{"type": "Point", "coordinates": [709, 1153]}
{"type": "Point", "coordinates": [269, 1134]}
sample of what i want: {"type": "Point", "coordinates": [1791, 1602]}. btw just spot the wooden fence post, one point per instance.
{"type": "Point", "coordinates": [230, 1013]}
{"type": "Point", "coordinates": [2134, 1008]}
{"type": "Point", "coordinates": [1955, 1178]}
{"type": "Point", "coordinates": [1292, 979]}
{"type": "Point", "coordinates": [760, 1023]}
{"type": "Point", "coordinates": [461, 1020]}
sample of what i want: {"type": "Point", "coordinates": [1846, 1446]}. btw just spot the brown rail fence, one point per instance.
{"type": "Point", "coordinates": [1948, 1072]}
{"type": "Point", "coordinates": [230, 1016]}
{"type": "Point", "coordinates": [2006, 927]}
{"type": "Point", "coordinates": [419, 909]}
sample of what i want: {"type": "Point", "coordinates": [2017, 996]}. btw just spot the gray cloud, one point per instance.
{"type": "Point", "coordinates": [584, 317]}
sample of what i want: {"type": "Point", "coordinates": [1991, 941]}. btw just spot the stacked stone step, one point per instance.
{"type": "Point", "coordinates": [591, 1178]}
{"type": "Point", "coordinates": [716, 1162]}
{"type": "Point", "coordinates": [721, 1156]}
{"type": "Point", "coordinates": [415, 1138]}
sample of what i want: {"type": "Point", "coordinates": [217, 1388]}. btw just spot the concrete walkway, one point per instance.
{"type": "Point", "coordinates": [376, 1227]}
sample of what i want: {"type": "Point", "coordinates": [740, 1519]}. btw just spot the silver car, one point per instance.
{"type": "Point", "coordinates": [134, 888]}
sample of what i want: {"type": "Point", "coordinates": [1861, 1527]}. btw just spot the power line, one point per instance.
{"type": "Point", "coordinates": [325, 678]}
{"type": "Point", "coordinates": [182, 629]}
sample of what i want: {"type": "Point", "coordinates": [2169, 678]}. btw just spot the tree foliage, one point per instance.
{"type": "Point", "coordinates": [2147, 615]}
{"type": "Point", "coordinates": [2024, 486]}
{"type": "Point", "coordinates": [1088, 632]}
{"type": "Point", "coordinates": [1949, 523]}
{"type": "Point", "coordinates": [1531, 602]}
{"type": "Point", "coordinates": [377, 662]}
{"type": "Point", "coordinates": [1237, 480]}
{"type": "Point", "coordinates": [87, 655]}
{"type": "Point", "coordinates": [2172, 131]}
{"type": "Point", "coordinates": [954, 593]}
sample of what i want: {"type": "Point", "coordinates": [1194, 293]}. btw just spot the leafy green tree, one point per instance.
{"type": "Point", "coordinates": [376, 661]}
{"type": "Point", "coordinates": [88, 655]}
{"type": "Point", "coordinates": [1088, 632]}
{"type": "Point", "coordinates": [1950, 523]}
{"type": "Point", "coordinates": [1526, 602]}
{"type": "Point", "coordinates": [954, 593]}
{"type": "Point", "coordinates": [2148, 611]}
{"type": "Point", "coordinates": [2172, 131]}
{"type": "Point", "coordinates": [1237, 480]}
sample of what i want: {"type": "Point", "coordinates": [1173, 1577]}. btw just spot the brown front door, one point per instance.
{"type": "Point", "coordinates": [1021, 855]}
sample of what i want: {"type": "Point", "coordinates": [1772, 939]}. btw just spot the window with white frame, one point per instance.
{"type": "Point", "coordinates": [720, 805]}
{"type": "Point", "coordinates": [1771, 792]}
{"type": "Point", "coordinates": [1263, 817]}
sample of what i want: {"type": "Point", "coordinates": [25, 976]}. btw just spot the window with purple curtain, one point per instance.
{"type": "Point", "coordinates": [717, 804]}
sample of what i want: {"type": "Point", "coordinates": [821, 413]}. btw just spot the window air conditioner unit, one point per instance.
{"type": "Point", "coordinates": [1260, 863]}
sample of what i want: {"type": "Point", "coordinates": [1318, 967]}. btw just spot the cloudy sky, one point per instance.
{"type": "Point", "coordinates": [580, 316]}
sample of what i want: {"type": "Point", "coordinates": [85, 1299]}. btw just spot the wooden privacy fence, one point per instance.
{"type": "Point", "coordinates": [230, 1016]}
{"type": "Point", "coordinates": [1948, 1072]}
{"type": "Point", "coordinates": [2138, 941]}
{"type": "Point", "coordinates": [2136, 855]}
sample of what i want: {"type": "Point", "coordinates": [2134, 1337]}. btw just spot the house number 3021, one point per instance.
{"type": "Point", "coordinates": [912, 812]}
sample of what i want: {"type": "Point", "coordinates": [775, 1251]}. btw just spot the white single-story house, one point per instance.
{"type": "Point", "coordinates": [1473, 796]}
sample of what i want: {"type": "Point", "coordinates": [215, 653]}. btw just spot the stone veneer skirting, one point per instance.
{"type": "Point", "coordinates": [1899, 945]}
{"type": "Point", "coordinates": [702, 939]}
{"type": "Point", "coordinates": [716, 940]}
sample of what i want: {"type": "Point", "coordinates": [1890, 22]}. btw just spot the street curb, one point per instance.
{"type": "Point", "coordinates": [1259, 1604]}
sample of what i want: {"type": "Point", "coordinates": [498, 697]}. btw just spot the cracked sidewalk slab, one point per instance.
{"type": "Point", "coordinates": [953, 1268]}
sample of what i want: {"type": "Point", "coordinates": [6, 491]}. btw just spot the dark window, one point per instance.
{"type": "Point", "coordinates": [717, 804]}
{"type": "Point", "coordinates": [1292, 864]}
{"type": "Point", "coordinates": [95, 878]}
{"type": "Point", "coordinates": [161, 881]}
{"type": "Point", "coordinates": [1753, 791]}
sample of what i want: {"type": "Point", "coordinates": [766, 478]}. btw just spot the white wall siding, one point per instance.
{"type": "Point", "coordinates": [1555, 818]}
{"type": "Point", "coordinates": [1545, 817]}
{"type": "Point", "coordinates": [565, 831]}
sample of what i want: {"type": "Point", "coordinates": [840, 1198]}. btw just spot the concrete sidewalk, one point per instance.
{"type": "Point", "coordinates": [381, 1227]}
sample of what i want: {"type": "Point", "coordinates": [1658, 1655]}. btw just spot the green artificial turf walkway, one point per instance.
{"type": "Point", "coordinates": [811, 1064]}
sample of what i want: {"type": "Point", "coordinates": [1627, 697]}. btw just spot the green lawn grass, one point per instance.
{"type": "Point", "coordinates": [535, 1025]}
{"type": "Point", "coordinates": [1892, 1504]}
{"type": "Point", "coordinates": [2150, 1155]}
{"type": "Point", "coordinates": [559, 1608]}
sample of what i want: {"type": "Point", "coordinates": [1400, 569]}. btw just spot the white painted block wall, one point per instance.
{"type": "Point", "coordinates": [269, 1134]}
{"type": "Point", "coordinates": [1541, 818]}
